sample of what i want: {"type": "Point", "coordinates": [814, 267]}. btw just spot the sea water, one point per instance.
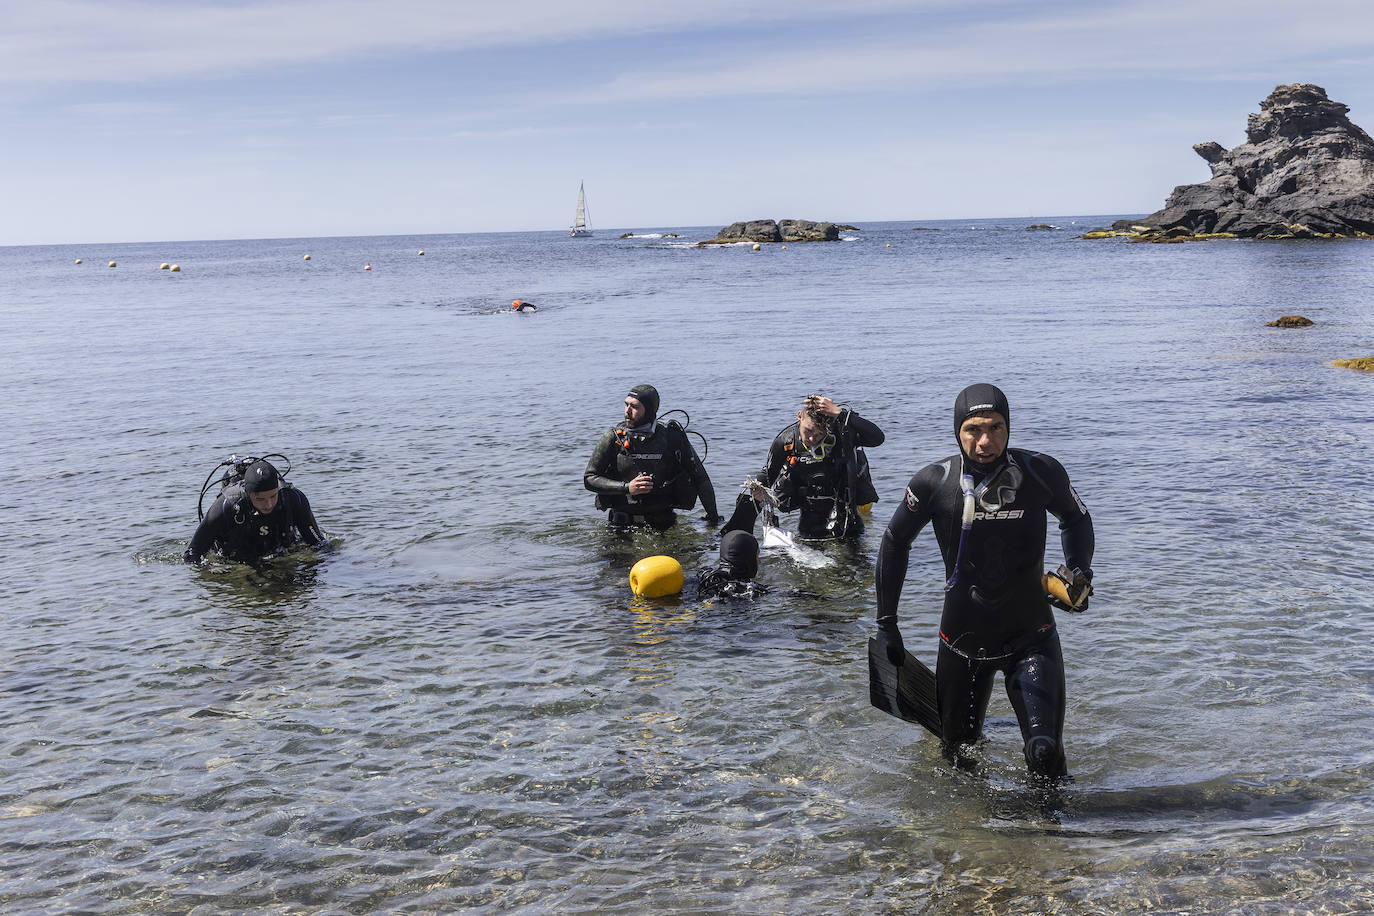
{"type": "Point", "coordinates": [463, 707]}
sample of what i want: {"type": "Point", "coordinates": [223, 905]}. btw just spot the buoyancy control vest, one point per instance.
{"type": "Point", "coordinates": [247, 533]}
{"type": "Point", "coordinates": [666, 455]}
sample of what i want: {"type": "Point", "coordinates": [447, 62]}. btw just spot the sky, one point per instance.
{"type": "Point", "coordinates": [123, 120]}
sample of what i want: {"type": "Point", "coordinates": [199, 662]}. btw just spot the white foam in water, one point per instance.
{"type": "Point", "coordinates": [802, 556]}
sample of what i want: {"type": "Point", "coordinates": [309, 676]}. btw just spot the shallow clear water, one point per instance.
{"type": "Point", "coordinates": [463, 706]}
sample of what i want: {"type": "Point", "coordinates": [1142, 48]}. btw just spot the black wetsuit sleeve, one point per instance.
{"type": "Point", "coordinates": [776, 461]}
{"type": "Point", "coordinates": [211, 529]}
{"type": "Point", "coordinates": [706, 492]}
{"type": "Point", "coordinates": [895, 550]}
{"type": "Point", "coordinates": [1075, 524]}
{"type": "Point", "coordinates": [864, 432]}
{"type": "Point", "coordinates": [600, 469]}
{"type": "Point", "coordinates": [304, 519]}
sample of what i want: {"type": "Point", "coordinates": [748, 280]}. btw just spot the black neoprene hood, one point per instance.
{"type": "Point", "coordinates": [261, 477]}
{"type": "Point", "coordinates": [648, 396]}
{"type": "Point", "coordinates": [977, 399]}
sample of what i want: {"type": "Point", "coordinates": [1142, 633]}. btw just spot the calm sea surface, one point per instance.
{"type": "Point", "coordinates": [463, 707]}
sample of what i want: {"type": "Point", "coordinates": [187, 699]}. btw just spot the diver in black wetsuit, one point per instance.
{"type": "Point", "coordinates": [996, 616]}
{"type": "Point", "coordinates": [733, 576]}
{"type": "Point", "coordinates": [643, 469]}
{"type": "Point", "coordinates": [260, 516]}
{"type": "Point", "coordinates": [817, 465]}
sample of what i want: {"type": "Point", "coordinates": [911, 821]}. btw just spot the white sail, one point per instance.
{"type": "Point", "coordinates": [581, 226]}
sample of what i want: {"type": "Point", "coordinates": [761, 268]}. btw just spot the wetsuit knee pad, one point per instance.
{"type": "Point", "coordinates": [1044, 756]}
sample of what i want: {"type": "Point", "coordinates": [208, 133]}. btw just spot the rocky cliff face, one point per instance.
{"type": "Point", "coordinates": [1304, 170]}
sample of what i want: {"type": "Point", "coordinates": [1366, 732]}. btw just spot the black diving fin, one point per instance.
{"type": "Point", "coordinates": [906, 691]}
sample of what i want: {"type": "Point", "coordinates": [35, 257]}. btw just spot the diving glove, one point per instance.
{"type": "Point", "coordinates": [891, 639]}
{"type": "Point", "coordinates": [1068, 589]}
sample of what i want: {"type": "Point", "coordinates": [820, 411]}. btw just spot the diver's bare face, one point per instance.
{"type": "Point", "coordinates": [812, 433]}
{"type": "Point", "coordinates": [635, 412]}
{"type": "Point", "coordinates": [265, 501]}
{"type": "Point", "coordinates": [983, 436]}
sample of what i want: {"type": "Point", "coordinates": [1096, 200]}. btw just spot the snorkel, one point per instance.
{"type": "Point", "coordinates": [965, 525]}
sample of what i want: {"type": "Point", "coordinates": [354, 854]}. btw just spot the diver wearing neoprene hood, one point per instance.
{"type": "Point", "coordinates": [642, 469]}
{"type": "Point", "coordinates": [254, 518]}
{"type": "Point", "coordinates": [988, 506]}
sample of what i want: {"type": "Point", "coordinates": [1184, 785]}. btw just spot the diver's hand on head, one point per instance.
{"type": "Point", "coordinates": [823, 404]}
{"type": "Point", "coordinates": [892, 640]}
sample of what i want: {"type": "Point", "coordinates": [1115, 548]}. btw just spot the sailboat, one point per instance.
{"type": "Point", "coordinates": [581, 227]}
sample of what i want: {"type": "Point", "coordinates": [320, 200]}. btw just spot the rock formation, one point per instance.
{"type": "Point", "coordinates": [1290, 321]}
{"type": "Point", "coordinates": [766, 230]}
{"type": "Point", "coordinates": [1305, 171]}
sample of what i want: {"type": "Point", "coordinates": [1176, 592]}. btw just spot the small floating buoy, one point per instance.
{"type": "Point", "coordinates": [112, 264]}
{"type": "Point", "coordinates": [368, 267]}
{"type": "Point", "coordinates": [164, 266]}
{"type": "Point", "coordinates": [889, 244]}
{"type": "Point", "coordinates": [654, 577]}
{"type": "Point", "coordinates": [784, 247]}
{"type": "Point", "coordinates": [307, 257]}
{"type": "Point", "coordinates": [175, 268]}
{"type": "Point", "coordinates": [422, 252]}
{"type": "Point", "coordinates": [78, 260]}
{"type": "Point", "coordinates": [757, 246]}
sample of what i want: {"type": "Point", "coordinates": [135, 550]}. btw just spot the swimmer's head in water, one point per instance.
{"type": "Point", "coordinates": [740, 551]}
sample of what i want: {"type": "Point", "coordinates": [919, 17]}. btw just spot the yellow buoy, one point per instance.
{"type": "Point", "coordinates": [164, 266]}
{"type": "Point", "coordinates": [654, 577]}
{"type": "Point", "coordinates": [889, 244]}
{"type": "Point", "coordinates": [175, 268]}
{"type": "Point", "coordinates": [78, 260]}
{"type": "Point", "coordinates": [112, 263]}
{"type": "Point", "coordinates": [784, 247]}
{"type": "Point", "coordinates": [757, 246]}
{"type": "Point", "coordinates": [422, 251]}
{"type": "Point", "coordinates": [306, 258]}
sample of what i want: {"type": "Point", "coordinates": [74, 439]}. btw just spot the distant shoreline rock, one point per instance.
{"type": "Point", "coordinates": [1290, 321]}
{"type": "Point", "coordinates": [767, 230]}
{"type": "Point", "coordinates": [1304, 172]}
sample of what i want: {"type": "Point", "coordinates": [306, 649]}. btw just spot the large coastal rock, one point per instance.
{"type": "Point", "coordinates": [767, 230]}
{"type": "Point", "coordinates": [1304, 171]}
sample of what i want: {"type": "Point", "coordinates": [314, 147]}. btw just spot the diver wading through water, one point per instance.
{"type": "Point", "coordinates": [988, 506]}
{"type": "Point", "coordinates": [816, 465]}
{"type": "Point", "coordinates": [255, 514]}
{"type": "Point", "coordinates": [643, 468]}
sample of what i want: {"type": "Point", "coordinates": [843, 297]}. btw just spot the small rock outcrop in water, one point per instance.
{"type": "Point", "coordinates": [1290, 321]}
{"type": "Point", "coordinates": [767, 230]}
{"type": "Point", "coordinates": [1364, 363]}
{"type": "Point", "coordinates": [1305, 171]}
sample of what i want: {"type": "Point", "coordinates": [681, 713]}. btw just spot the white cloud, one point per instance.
{"type": "Point", "coordinates": [137, 40]}
{"type": "Point", "coordinates": [1163, 39]}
